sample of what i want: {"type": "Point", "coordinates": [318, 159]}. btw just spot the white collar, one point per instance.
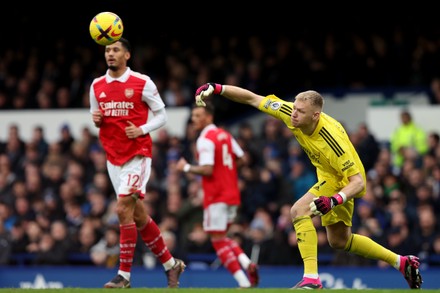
{"type": "Point", "coordinates": [122, 78]}
{"type": "Point", "coordinates": [208, 128]}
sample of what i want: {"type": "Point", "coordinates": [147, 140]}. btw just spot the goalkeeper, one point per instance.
{"type": "Point", "coordinates": [341, 178]}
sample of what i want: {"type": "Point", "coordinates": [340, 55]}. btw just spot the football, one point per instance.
{"type": "Point", "coordinates": [106, 28]}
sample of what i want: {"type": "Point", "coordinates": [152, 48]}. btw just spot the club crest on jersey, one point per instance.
{"type": "Point", "coordinates": [275, 105]}
{"type": "Point", "coordinates": [129, 93]}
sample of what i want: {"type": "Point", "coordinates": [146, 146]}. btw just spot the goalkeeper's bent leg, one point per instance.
{"type": "Point", "coordinates": [366, 247]}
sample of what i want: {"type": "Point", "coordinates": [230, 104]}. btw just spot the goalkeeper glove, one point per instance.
{"type": "Point", "coordinates": [323, 204]}
{"type": "Point", "coordinates": [206, 90]}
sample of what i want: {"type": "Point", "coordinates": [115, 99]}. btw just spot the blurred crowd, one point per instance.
{"type": "Point", "coordinates": [56, 200]}
{"type": "Point", "coordinates": [58, 75]}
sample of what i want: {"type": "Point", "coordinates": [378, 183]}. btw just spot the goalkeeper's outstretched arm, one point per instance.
{"type": "Point", "coordinates": [241, 95]}
{"type": "Point", "coordinates": [233, 93]}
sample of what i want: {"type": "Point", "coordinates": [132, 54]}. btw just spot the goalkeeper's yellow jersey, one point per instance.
{"type": "Point", "coordinates": [329, 148]}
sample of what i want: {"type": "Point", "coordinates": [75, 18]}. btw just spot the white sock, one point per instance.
{"type": "Point", "coordinates": [397, 263]}
{"type": "Point", "coordinates": [244, 260]}
{"type": "Point", "coordinates": [126, 275]}
{"type": "Point", "coordinates": [311, 276]}
{"type": "Point", "coordinates": [242, 279]}
{"type": "Point", "coordinates": [169, 264]}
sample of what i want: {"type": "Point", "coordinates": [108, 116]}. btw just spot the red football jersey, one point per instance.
{"type": "Point", "coordinates": [127, 98]}
{"type": "Point", "coordinates": [218, 148]}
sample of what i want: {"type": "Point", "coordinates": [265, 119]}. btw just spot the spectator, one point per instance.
{"type": "Point", "coordinates": [50, 252]}
{"type": "Point", "coordinates": [34, 234]}
{"type": "Point", "coordinates": [198, 241]}
{"type": "Point", "coordinates": [434, 93]}
{"type": "Point", "coordinates": [106, 251]}
{"type": "Point", "coordinates": [190, 212]}
{"type": "Point", "coordinates": [19, 238]}
{"type": "Point", "coordinates": [5, 245]}
{"type": "Point", "coordinates": [14, 148]}
{"type": "Point", "coordinates": [39, 140]}
{"type": "Point", "coordinates": [7, 216]}
{"type": "Point", "coordinates": [433, 142]}
{"type": "Point", "coordinates": [408, 140]}
{"type": "Point", "coordinates": [66, 139]}
{"type": "Point", "coordinates": [62, 236]}
{"type": "Point", "coordinates": [87, 237]}
{"type": "Point", "coordinates": [299, 180]}
{"type": "Point", "coordinates": [434, 253]}
{"type": "Point", "coordinates": [23, 210]}
{"type": "Point", "coordinates": [427, 228]}
{"type": "Point", "coordinates": [260, 242]}
{"type": "Point", "coordinates": [366, 145]}
{"type": "Point", "coordinates": [249, 141]}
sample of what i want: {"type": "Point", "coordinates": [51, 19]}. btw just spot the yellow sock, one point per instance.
{"type": "Point", "coordinates": [307, 244]}
{"type": "Point", "coordinates": [366, 247]}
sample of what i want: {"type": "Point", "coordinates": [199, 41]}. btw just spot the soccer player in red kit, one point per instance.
{"type": "Point", "coordinates": [217, 152]}
{"type": "Point", "coordinates": [120, 102]}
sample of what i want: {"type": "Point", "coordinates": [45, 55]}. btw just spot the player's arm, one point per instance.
{"type": "Point", "coordinates": [233, 93]}
{"type": "Point", "coordinates": [158, 120]}
{"type": "Point", "coordinates": [94, 109]}
{"type": "Point", "coordinates": [355, 185]}
{"type": "Point", "coordinates": [324, 204]}
{"type": "Point", "coordinates": [151, 96]}
{"type": "Point", "coordinates": [97, 118]}
{"type": "Point", "coordinates": [240, 162]}
{"type": "Point", "coordinates": [203, 170]}
{"type": "Point", "coordinates": [206, 151]}
{"type": "Point", "coordinates": [238, 151]}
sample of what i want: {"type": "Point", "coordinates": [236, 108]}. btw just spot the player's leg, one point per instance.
{"type": "Point", "coordinates": [250, 267]}
{"type": "Point", "coordinates": [128, 232]}
{"type": "Point", "coordinates": [338, 226]}
{"type": "Point", "coordinates": [215, 223]}
{"type": "Point", "coordinates": [152, 237]}
{"type": "Point", "coordinates": [148, 229]}
{"type": "Point", "coordinates": [307, 242]}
